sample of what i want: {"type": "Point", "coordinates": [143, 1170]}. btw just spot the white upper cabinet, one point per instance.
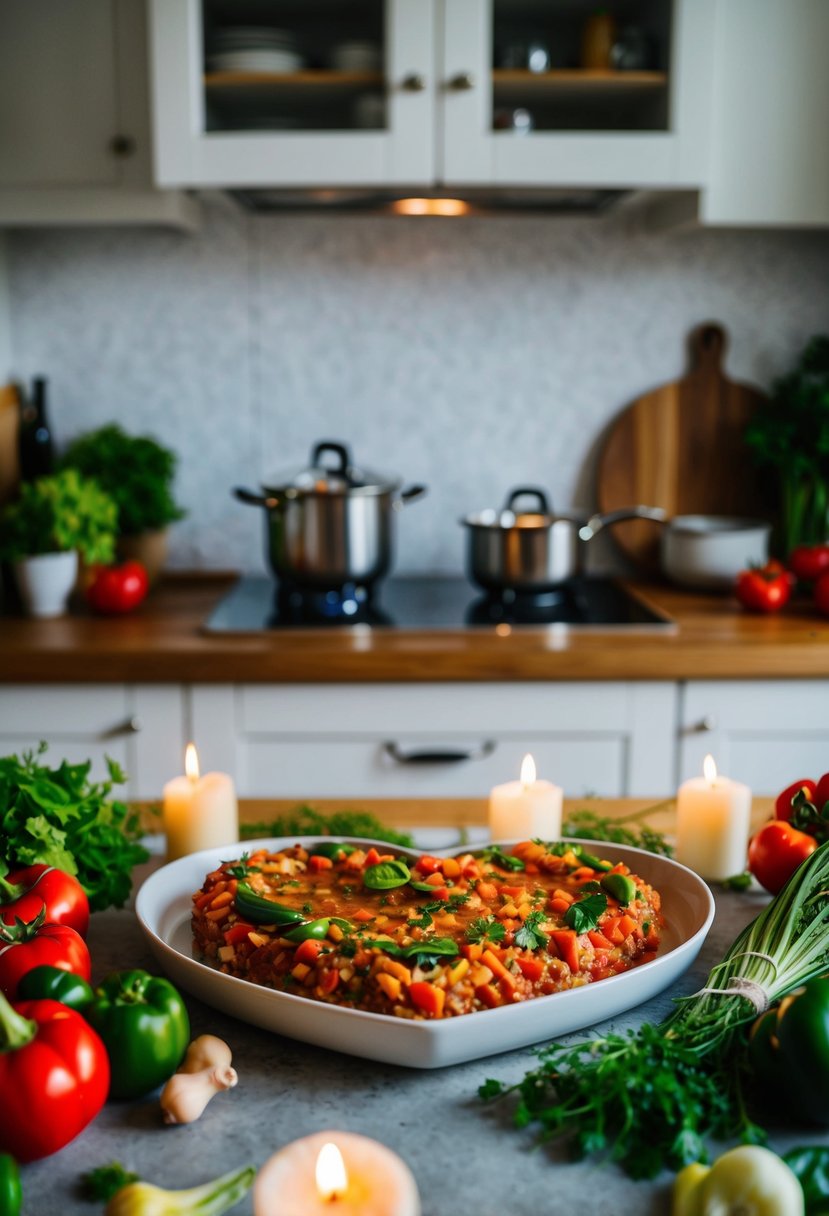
{"type": "Point", "coordinates": [74, 116]}
{"type": "Point", "coordinates": [293, 93]}
{"type": "Point", "coordinates": [769, 146]}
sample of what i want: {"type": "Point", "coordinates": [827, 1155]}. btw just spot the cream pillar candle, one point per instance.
{"type": "Point", "coordinates": [335, 1174]}
{"type": "Point", "coordinates": [199, 812]}
{"type": "Point", "coordinates": [713, 821]}
{"type": "Point", "coordinates": [520, 810]}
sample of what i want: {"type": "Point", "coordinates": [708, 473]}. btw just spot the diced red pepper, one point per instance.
{"type": "Point", "coordinates": [427, 998]}
{"type": "Point", "coordinates": [308, 951]}
{"type": "Point", "coordinates": [427, 864]}
{"type": "Point", "coordinates": [488, 995]}
{"type": "Point", "coordinates": [317, 862]}
{"type": "Point", "coordinates": [599, 940]}
{"type": "Point", "coordinates": [329, 981]}
{"type": "Point", "coordinates": [238, 933]}
{"type": "Point", "coordinates": [372, 857]}
{"type": "Point", "coordinates": [566, 942]}
{"type": "Point", "coordinates": [531, 968]}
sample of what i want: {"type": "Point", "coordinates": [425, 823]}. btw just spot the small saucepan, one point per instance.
{"type": "Point", "coordinates": [533, 550]}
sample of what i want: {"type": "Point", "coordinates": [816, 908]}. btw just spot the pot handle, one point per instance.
{"type": "Point", "coordinates": [339, 449]}
{"type": "Point", "coordinates": [529, 492]}
{"type": "Point", "coordinates": [596, 522]}
{"type": "Point", "coordinates": [411, 494]}
{"type": "Point", "coordinates": [253, 499]}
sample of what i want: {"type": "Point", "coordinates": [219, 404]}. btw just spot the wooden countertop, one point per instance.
{"type": "Point", "coordinates": [164, 643]}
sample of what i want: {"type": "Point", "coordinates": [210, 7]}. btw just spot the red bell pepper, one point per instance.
{"type": "Point", "coordinates": [24, 892]}
{"type": "Point", "coordinates": [776, 851]}
{"type": "Point", "coordinates": [54, 1077]}
{"type": "Point", "coordinates": [36, 943]}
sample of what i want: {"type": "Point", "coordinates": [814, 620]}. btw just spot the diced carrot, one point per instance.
{"type": "Point", "coordinates": [222, 900]}
{"type": "Point", "coordinates": [390, 985]}
{"type": "Point", "coordinates": [391, 967]}
{"type": "Point", "coordinates": [627, 925]}
{"type": "Point", "coordinates": [216, 914]}
{"type": "Point", "coordinates": [300, 971]}
{"type": "Point", "coordinates": [471, 870]}
{"type": "Point", "coordinates": [488, 995]}
{"type": "Point", "coordinates": [329, 981]}
{"type": "Point", "coordinates": [427, 864]}
{"type": "Point", "coordinates": [472, 950]}
{"type": "Point", "coordinates": [436, 879]}
{"type": "Point", "coordinates": [427, 998]}
{"type": "Point", "coordinates": [559, 906]}
{"type": "Point", "coordinates": [560, 893]}
{"type": "Point", "coordinates": [610, 928]}
{"type": "Point", "coordinates": [583, 874]}
{"type": "Point", "coordinates": [487, 891]}
{"type": "Point", "coordinates": [317, 862]}
{"type": "Point", "coordinates": [599, 940]}
{"type": "Point", "coordinates": [531, 868]}
{"type": "Point", "coordinates": [372, 857]}
{"type": "Point", "coordinates": [307, 951]}
{"type": "Point", "coordinates": [531, 968]}
{"type": "Point", "coordinates": [238, 932]}
{"type": "Point", "coordinates": [451, 868]}
{"type": "Point", "coordinates": [511, 891]}
{"type": "Point", "coordinates": [566, 943]}
{"type": "Point", "coordinates": [335, 933]}
{"type": "Point", "coordinates": [497, 967]}
{"type": "Point", "coordinates": [363, 914]}
{"type": "Point", "coordinates": [206, 898]}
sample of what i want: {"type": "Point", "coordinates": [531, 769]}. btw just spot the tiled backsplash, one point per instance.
{"type": "Point", "coordinates": [473, 355]}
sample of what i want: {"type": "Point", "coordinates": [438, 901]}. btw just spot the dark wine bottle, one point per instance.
{"type": "Point", "coordinates": [36, 450]}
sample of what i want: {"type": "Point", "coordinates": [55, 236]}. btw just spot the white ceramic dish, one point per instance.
{"type": "Point", "coordinates": [163, 909]}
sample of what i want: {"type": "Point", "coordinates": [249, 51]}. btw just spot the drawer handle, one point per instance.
{"type": "Point", "coordinates": [130, 726]}
{"type": "Point", "coordinates": [704, 726]}
{"type": "Point", "coordinates": [439, 755]}
{"type": "Point", "coordinates": [461, 82]}
{"type": "Point", "coordinates": [413, 83]}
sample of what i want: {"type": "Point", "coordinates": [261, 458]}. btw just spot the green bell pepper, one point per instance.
{"type": "Point", "coordinates": [789, 1052]}
{"type": "Point", "coordinates": [333, 849]}
{"type": "Point", "coordinates": [262, 911]}
{"type": "Point", "coordinates": [314, 930]}
{"type": "Point", "coordinates": [145, 1028]}
{"type": "Point", "coordinates": [51, 983]}
{"type": "Point", "coordinates": [11, 1192]}
{"type": "Point", "coordinates": [810, 1165]}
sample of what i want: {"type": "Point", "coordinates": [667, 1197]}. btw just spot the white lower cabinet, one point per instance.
{"type": "Point", "coordinates": [140, 726]}
{"type": "Point", "coordinates": [452, 740]}
{"type": "Point", "coordinates": [767, 733]}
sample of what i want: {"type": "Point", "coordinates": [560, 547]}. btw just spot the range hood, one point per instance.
{"type": "Point", "coordinates": [434, 202]}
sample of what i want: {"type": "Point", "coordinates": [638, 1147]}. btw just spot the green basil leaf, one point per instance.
{"type": "Point", "coordinates": [387, 875]}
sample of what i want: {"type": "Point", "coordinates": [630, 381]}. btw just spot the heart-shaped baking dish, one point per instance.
{"type": "Point", "coordinates": [164, 904]}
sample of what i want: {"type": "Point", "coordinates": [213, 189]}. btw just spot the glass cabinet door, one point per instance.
{"type": "Point", "coordinates": [573, 93]}
{"type": "Point", "coordinates": [293, 92]}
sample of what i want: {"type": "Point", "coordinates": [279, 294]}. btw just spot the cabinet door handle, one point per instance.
{"type": "Point", "coordinates": [122, 146]}
{"type": "Point", "coordinates": [461, 82]}
{"type": "Point", "coordinates": [414, 82]}
{"type": "Point", "coordinates": [130, 726]}
{"type": "Point", "coordinates": [704, 726]}
{"type": "Point", "coordinates": [442, 755]}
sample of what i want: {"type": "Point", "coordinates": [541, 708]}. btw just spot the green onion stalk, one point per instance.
{"type": "Point", "coordinates": [210, 1199]}
{"type": "Point", "coordinates": [650, 1099]}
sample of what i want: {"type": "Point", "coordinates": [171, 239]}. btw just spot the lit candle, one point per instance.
{"type": "Point", "coordinates": [335, 1174]}
{"type": "Point", "coordinates": [523, 809]}
{"type": "Point", "coordinates": [199, 812]}
{"type": "Point", "coordinates": [712, 824]}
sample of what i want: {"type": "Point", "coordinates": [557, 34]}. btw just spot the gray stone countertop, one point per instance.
{"type": "Point", "coordinates": [455, 1146]}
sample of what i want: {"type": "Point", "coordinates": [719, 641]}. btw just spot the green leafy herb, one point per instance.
{"type": "Point", "coordinates": [422, 954]}
{"type": "Point", "coordinates": [304, 820]}
{"type": "Point", "coordinates": [242, 869]}
{"type": "Point", "coordinates": [651, 1098]}
{"type": "Point", "coordinates": [590, 825]}
{"type": "Point", "coordinates": [100, 1184]}
{"type": "Point", "coordinates": [506, 861]}
{"type": "Point", "coordinates": [58, 513]}
{"type": "Point", "coordinates": [584, 914]}
{"type": "Point", "coordinates": [59, 817]}
{"type": "Point", "coordinates": [386, 875]}
{"type": "Point", "coordinates": [530, 936]}
{"type": "Point", "coordinates": [485, 929]}
{"type": "Point", "coordinates": [421, 922]}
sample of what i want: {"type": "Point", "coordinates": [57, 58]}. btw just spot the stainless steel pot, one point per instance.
{"type": "Point", "coordinates": [329, 526]}
{"type": "Point", "coordinates": [532, 551]}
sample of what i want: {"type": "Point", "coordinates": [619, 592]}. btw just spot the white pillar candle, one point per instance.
{"type": "Point", "coordinates": [713, 821]}
{"type": "Point", "coordinates": [199, 812]}
{"type": "Point", "coordinates": [520, 810]}
{"type": "Point", "coordinates": [335, 1174]}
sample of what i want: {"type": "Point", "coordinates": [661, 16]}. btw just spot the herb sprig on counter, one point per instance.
{"type": "Point", "coordinates": [305, 820]}
{"type": "Point", "coordinates": [590, 825]}
{"type": "Point", "coordinates": [59, 817]}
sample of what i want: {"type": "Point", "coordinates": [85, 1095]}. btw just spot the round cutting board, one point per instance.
{"type": "Point", "coordinates": [681, 447]}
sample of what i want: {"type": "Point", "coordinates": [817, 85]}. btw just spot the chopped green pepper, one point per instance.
{"type": "Point", "coordinates": [331, 848]}
{"type": "Point", "coordinates": [262, 911]}
{"type": "Point", "coordinates": [313, 930]}
{"type": "Point", "coordinates": [54, 984]}
{"type": "Point", "coordinates": [145, 1028]}
{"type": "Point", "coordinates": [620, 886]}
{"type": "Point", "coordinates": [11, 1191]}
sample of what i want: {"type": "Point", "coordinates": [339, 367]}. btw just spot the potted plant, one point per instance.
{"type": "Point", "coordinates": [789, 436]}
{"type": "Point", "coordinates": [138, 473]}
{"type": "Point", "coordinates": [43, 532]}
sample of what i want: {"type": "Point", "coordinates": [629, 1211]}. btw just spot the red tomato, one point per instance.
{"type": "Point", "coordinates": [33, 944]}
{"type": "Point", "coordinates": [53, 1082]}
{"type": "Point", "coordinates": [775, 853]}
{"type": "Point", "coordinates": [24, 892]}
{"type": "Point", "coordinates": [808, 562]}
{"type": "Point", "coordinates": [117, 589]}
{"type": "Point", "coordinates": [765, 589]}
{"type": "Point", "coordinates": [821, 594]}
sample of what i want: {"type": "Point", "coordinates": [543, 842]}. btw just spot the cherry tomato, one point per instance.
{"type": "Point", "coordinates": [24, 892]}
{"type": "Point", "coordinates": [775, 853]}
{"type": "Point", "coordinates": [765, 589]}
{"type": "Point", "coordinates": [32, 944]}
{"type": "Point", "coordinates": [821, 594]}
{"type": "Point", "coordinates": [808, 562]}
{"type": "Point", "coordinates": [117, 589]}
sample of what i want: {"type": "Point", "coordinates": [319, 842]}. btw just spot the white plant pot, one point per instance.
{"type": "Point", "coordinates": [46, 582]}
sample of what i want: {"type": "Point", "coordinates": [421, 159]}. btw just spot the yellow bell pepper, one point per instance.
{"type": "Point", "coordinates": [746, 1181]}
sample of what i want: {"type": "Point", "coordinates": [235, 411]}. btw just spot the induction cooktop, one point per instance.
{"type": "Point", "coordinates": [256, 604]}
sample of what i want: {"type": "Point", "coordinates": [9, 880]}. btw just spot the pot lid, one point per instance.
{"type": "Point", "coordinates": [334, 474]}
{"type": "Point", "coordinates": [537, 515]}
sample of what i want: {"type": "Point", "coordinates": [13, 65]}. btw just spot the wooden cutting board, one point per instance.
{"type": "Point", "coordinates": [9, 439]}
{"type": "Point", "coordinates": [681, 447]}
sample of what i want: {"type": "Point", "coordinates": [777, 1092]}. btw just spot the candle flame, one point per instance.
{"type": "Point", "coordinates": [527, 770]}
{"type": "Point", "coordinates": [709, 770]}
{"type": "Point", "coordinates": [332, 1179]}
{"type": "Point", "coordinates": [191, 762]}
